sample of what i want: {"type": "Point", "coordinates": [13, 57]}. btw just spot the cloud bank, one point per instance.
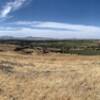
{"type": "Point", "coordinates": [50, 29]}
{"type": "Point", "coordinates": [10, 7]}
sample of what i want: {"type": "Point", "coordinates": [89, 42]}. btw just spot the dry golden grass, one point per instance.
{"type": "Point", "coordinates": [49, 77]}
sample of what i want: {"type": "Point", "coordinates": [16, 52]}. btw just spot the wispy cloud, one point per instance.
{"type": "Point", "coordinates": [10, 7]}
{"type": "Point", "coordinates": [59, 26]}
{"type": "Point", "coordinates": [50, 29]}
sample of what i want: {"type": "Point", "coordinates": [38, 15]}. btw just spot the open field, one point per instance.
{"type": "Point", "coordinates": [80, 47]}
{"type": "Point", "coordinates": [49, 77]}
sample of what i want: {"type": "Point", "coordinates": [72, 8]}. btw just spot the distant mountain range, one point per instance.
{"type": "Point", "coordinates": [30, 38]}
{"type": "Point", "coordinates": [24, 38]}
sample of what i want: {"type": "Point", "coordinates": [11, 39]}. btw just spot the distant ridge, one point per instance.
{"type": "Point", "coordinates": [30, 38]}
{"type": "Point", "coordinates": [25, 38]}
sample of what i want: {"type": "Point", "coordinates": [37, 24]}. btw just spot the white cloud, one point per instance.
{"type": "Point", "coordinates": [59, 26]}
{"type": "Point", "coordinates": [10, 7]}
{"type": "Point", "coordinates": [50, 29]}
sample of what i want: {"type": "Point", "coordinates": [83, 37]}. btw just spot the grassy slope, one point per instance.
{"type": "Point", "coordinates": [49, 77]}
{"type": "Point", "coordinates": [82, 47]}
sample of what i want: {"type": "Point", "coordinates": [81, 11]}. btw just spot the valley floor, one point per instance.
{"type": "Point", "coordinates": [49, 77]}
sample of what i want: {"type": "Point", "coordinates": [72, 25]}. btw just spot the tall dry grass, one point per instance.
{"type": "Point", "coordinates": [49, 77]}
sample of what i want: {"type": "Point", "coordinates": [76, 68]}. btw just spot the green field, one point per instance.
{"type": "Point", "coordinates": [82, 47]}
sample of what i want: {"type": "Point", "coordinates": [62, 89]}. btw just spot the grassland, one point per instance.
{"type": "Point", "coordinates": [50, 76]}
{"type": "Point", "coordinates": [81, 47]}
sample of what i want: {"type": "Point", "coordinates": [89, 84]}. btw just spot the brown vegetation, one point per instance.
{"type": "Point", "coordinates": [52, 76]}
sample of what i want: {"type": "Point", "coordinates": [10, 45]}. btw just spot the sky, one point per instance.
{"type": "Point", "coordinates": [50, 18]}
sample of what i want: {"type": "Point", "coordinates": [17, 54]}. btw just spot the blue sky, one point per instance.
{"type": "Point", "coordinates": [50, 18]}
